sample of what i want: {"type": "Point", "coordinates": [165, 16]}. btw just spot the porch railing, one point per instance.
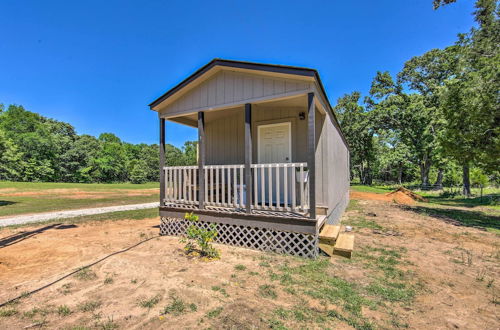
{"type": "Point", "coordinates": [277, 187]}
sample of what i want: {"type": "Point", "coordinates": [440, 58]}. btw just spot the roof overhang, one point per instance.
{"type": "Point", "coordinates": [217, 65]}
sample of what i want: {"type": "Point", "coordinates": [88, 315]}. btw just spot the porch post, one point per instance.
{"type": "Point", "coordinates": [201, 159]}
{"type": "Point", "coordinates": [248, 156]}
{"type": "Point", "coordinates": [162, 161]}
{"type": "Point", "coordinates": [311, 154]}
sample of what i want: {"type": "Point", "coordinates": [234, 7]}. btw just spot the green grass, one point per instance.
{"type": "Point", "coordinates": [177, 307]}
{"type": "Point", "coordinates": [63, 310]}
{"type": "Point", "coordinates": [47, 201]}
{"type": "Point", "coordinates": [89, 306]}
{"type": "Point", "coordinates": [111, 216]}
{"type": "Point", "coordinates": [86, 274]}
{"type": "Point", "coordinates": [34, 186]}
{"type": "Point", "coordinates": [372, 189]}
{"type": "Point", "coordinates": [221, 290]}
{"type": "Point", "coordinates": [214, 312]}
{"type": "Point", "coordinates": [483, 218]}
{"type": "Point", "coordinates": [151, 302]}
{"type": "Point", "coordinates": [7, 312]}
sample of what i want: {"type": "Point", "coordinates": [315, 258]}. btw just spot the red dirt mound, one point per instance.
{"type": "Point", "coordinates": [400, 196]}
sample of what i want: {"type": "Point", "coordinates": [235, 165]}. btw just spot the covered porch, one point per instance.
{"type": "Point", "coordinates": [242, 175]}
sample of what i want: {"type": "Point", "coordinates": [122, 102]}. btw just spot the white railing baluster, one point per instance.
{"type": "Point", "coordinates": [224, 186]}
{"type": "Point", "coordinates": [263, 189]}
{"type": "Point", "coordinates": [242, 202]}
{"type": "Point", "coordinates": [223, 169]}
{"type": "Point", "coordinates": [235, 191]}
{"type": "Point", "coordinates": [278, 204]}
{"type": "Point", "coordinates": [255, 192]}
{"type": "Point", "coordinates": [217, 201]}
{"type": "Point", "coordinates": [285, 187]}
{"type": "Point", "coordinates": [301, 187]}
{"type": "Point", "coordinates": [270, 173]}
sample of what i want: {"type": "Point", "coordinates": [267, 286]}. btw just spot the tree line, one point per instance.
{"type": "Point", "coordinates": [36, 148]}
{"type": "Point", "coordinates": [438, 120]}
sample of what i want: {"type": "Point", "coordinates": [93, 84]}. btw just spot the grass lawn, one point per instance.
{"type": "Point", "coordinates": [372, 189]}
{"type": "Point", "coordinates": [471, 212]}
{"type": "Point", "coordinates": [111, 216]}
{"type": "Point", "coordinates": [34, 197]}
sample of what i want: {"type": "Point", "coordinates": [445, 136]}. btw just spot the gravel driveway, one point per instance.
{"type": "Point", "coordinates": [39, 217]}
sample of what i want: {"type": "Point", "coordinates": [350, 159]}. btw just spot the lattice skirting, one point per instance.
{"type": "Point", "coordinates": [304, 245]}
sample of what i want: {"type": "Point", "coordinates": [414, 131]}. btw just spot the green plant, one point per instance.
{"type": "Point", "coordinates": [268, 291]}
{"type": "Point", "coordinates": [176, 307]}
{"type": "Point", "coordinates": [150, 303]}
{"type": "Point", "coordinates": [8, 312]}
{"type": "Point", "coordinates": [89, 306]}
{"type": "Point", "coordinates": [85, 274]}
{"type": "Point", "coordinates": [63, 310]}
{"type": "Point", "coordinates": [199, 239]}
{"type": "Point", "coordinates": [214, 312]}
{"type": "Point", "coordinates": [221, 290]}
{"type": "Point", "coordinates": [240, 267]}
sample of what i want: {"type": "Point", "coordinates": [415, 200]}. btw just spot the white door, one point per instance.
{"type": "Point", "coordinates": [274, 146]}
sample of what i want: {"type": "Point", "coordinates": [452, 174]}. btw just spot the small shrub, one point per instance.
{"type": "Point", "coordinates": [85, 274]}
{"type": "Point", "coordinates": [108, 280]}
{"type": "Point", "coordinates": [150, 303]}
{"type": "Point", "coordinates": [214, 312]}
{"type": "Point", "coordinates": [267, 291]}
{"type": "Point", "coordinates": [193, 307]}
{"type": "Point", "coordinates": [221, 290]}
{"type": "Point", "coordinates": [63, 310]}
{"type": "Point", "coordinates": [89, 306]}
{"type": "Point", "coordinates": [6, 312]}
{"type": "Point", "coordinates": [176, 307]}
{"type": "Point", "coordinates": [199, 239]}
{"type": "Point", "coordinates": [240, 267]}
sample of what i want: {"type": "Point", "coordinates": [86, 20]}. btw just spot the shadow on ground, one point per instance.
{"type": "Point", "coordinates": [458, 217]}
{"type": "Point", "coordinates": [5, 203]}
{"type": "Point", "coordinates": [18, 237]}
{"type": "Point", "coordinates": [486, 200]}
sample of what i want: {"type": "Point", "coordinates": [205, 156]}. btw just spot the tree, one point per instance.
{"type": "Point", "coordinates": [110, 161]}
{"type": "Point", "coordinates": [407, 117]}
{"type": "Point", "coordinates": [469, 99]}
{"type": "Point", "coordinates": [439, 3]}
{"type": "Point", "coordinates": [138, 173]}
{"type": "Point", "coordinates": [10, 159]}
{"type": "Point", "coordinates": [356, 125]}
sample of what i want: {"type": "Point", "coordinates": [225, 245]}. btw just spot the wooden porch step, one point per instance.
{"type": "Point", "coordinates": [327, 238]}
{"type": "Point", "coordinates": [344, 245]}
{"type": "Point", "coordinates": [329, 233]}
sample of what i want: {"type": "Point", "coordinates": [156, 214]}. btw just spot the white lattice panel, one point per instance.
{"type": "Point", "coordinates": [304, 245]}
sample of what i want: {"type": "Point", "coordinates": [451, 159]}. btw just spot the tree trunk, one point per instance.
{"type": "Point", "coordinates": [466, 181]}
{"type": "Point", "coordinates": [424, 172]}
{"type": "Point", "coordinates": [439, 180]}
{"type": "Point", "coordinates": [400, 174]}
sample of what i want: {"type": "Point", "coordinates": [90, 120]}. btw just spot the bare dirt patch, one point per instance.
{"type": "Point", "coordinates": [398, 196]}
{"type": "Point", "coordinates": [442, 276]}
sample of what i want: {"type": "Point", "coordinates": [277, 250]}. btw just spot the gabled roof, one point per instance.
{"type": "Point", "coordinates": [284, 69]}
{"type": "Point", "coordinates": [274, 68]}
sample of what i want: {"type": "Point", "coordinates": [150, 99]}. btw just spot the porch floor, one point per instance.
{"type": "Point", "coordinates": [242, 211]}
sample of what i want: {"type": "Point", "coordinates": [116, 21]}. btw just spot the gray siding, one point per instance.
{"type": "Point", "coordinates": [228, 88]}
{"type": "Point", "coordinates": [225, 145]}
{"type": "Point", "coordinates": [332, 166]}
{"type": "Point", "coordinates": [225, 133]}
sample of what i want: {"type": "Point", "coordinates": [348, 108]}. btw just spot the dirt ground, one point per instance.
{"type": "Point", "coordinates": [75, 193]}
{"type": "Point", "coordinates": [455, 271]}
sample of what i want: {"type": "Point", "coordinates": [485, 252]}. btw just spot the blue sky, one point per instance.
{"type": "Point", "coordinates": [98, 64]}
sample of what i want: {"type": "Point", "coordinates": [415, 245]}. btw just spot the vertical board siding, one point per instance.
{"type": "Point", "coordinates": [227, 87]}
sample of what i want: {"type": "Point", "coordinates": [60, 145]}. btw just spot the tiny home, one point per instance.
{"type": "Point", "coordinates": [273, 164]}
